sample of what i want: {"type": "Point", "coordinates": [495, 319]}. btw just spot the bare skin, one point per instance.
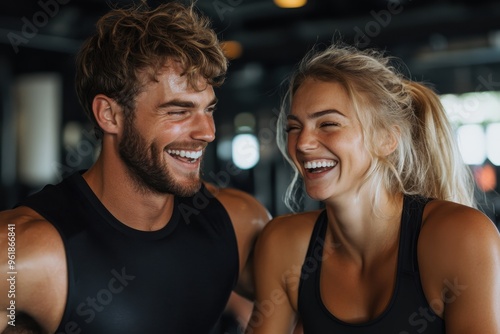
{"type": "Point", "coordinates": [169, 113]}
{"type": "Point", "coordinates": [458, 248]}
{"type": "Point", "coordinates": [277, 273]}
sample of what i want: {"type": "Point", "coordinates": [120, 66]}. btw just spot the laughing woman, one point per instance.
{"type": "Point", "coordinates": [399, 247]}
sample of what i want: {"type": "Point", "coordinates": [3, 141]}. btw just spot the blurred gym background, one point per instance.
{"type": "Point", "coordinates": [452, 44]}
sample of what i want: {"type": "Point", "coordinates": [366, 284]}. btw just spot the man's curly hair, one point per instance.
{"type": "Point", "coordinates": [136, 40]}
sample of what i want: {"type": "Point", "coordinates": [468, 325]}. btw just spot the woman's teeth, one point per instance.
{"type": "Point", "coordinates": [319, 164]}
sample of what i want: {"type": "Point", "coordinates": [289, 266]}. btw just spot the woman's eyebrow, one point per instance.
{"type": "Point", "coordinates": [316, 114]}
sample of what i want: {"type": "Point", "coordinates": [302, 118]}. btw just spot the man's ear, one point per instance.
{"type": "Point", "coordinates": [107, 113]}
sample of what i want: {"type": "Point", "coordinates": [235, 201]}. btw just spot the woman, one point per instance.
{"type": "Point", "coordinates": [398, 247]}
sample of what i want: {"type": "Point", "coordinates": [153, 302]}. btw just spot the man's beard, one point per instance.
{"type": "Point", "coordinates": [144, 163]}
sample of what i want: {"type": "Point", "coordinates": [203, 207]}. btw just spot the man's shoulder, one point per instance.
{"type": "Point", "coordinates": [37, 263]}
{"type": "Point", "coordinates": [33, 237]}
{"type": "Point", "coordinates": [247, 214]}
{"type": "Point", "coordinates": [28, 225]}
{"type": "Point", "coordinates": [55, 192]}
{"type": "Point", "coordinates": [227, 193]}
{"type": "Point", "coordinates": [240, 203]}
{"type": "Point", "coordinates": [20, 216]}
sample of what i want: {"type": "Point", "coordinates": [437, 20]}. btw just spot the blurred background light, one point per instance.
{"type": "Point", "coordinates": [244, 122]}
{"type": "Point", "coordinates": [493, 143]}
{"type": "Point", "coordinates": [232, 49]}
{"type": "Point", "coordinates": [39, 98]}
{"type": "Point", "coordinates": [224, 149]}
{"type": "Point", "coordinates": [485, 177]}
{"type": "Point", "coordinates": [472, 107]}
{"type": "Point", "coordinates": [245, 151]}
{"type": "Point", "coordinates": [472, 143]}
{"type": "Point", "coordinates": [290, 3]}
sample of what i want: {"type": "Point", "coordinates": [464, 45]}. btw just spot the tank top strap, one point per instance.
{"type": "Point", "coordinates": [312, 262]}
{"type": "Point", "coordinates": [411, 223]}
{"type": "Point", "coordinates": [319, 232]}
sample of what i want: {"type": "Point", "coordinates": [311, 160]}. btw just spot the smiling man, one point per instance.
{"type": "Point", "coordinates": [110, 249]}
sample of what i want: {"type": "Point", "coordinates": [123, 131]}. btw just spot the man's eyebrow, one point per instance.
{"type": "Point", "coordinates": [184, 103]}
{"type": "Point", "coordinates": [316, 114]}
{"type": "Point", "coordinates": [213, 102]}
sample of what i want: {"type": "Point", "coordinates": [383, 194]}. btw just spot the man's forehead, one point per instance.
{"type": "Point", "coordinates": [174, 74]}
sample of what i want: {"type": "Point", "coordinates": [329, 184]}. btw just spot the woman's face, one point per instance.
{"type": "Point", "coordinates": [325, 140]}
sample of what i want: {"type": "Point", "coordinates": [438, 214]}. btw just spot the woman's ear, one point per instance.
{"type": "Point", "coordinates": [389, 141]}
{"type": "Point", "coordinates": [107, 113]}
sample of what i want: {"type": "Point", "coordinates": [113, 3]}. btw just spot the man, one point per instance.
{"type": "Point", "coordinates": [136, 243]}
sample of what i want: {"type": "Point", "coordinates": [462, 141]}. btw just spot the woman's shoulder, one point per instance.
{"type": "Point", "coordinates": [290, 224]}
{"type": "Point", "coordinates": [443, 218]}
{"type": "Point", "coordinates": [452, 232]}
{"type": "Point", "coordinates": [290, 231]}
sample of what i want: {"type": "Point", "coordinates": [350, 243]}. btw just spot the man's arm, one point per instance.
{"type": "Point", "coordinates": [32, 272]}
{"type": "Point", "coordinates": [9, 285]}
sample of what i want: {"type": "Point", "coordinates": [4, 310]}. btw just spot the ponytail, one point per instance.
{"type": "Point", "coordinates": [446, 176]}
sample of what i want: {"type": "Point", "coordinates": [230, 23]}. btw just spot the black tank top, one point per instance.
{"type": "Point", "coordinates": [121, 280]}
{"type": "Point", "coordinates": [408, 310]}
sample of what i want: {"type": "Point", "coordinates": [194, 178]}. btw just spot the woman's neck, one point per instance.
{"type": "Point", "coordinates": [362, 227]}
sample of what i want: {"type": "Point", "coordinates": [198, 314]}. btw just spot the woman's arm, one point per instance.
{"type": "Point", "coordinates": [459, 255]}
{"type": "Point", "coordinates": [277, 271]}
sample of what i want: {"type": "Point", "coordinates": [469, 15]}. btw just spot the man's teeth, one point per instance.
{"type": "Point", "coordinates": [319, 164]}
{"type": "Point", "coordinates": [186, 154]}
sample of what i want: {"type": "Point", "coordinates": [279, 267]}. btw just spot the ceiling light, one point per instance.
{"type": "Point", "coordinates": [232, 49]}
{"type": "Point", "coordinates": [290, 3]}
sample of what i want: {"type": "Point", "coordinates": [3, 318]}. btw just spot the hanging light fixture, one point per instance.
{"type": "Point", "coordinates": [290, 3]}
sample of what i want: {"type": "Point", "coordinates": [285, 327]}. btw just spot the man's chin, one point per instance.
{"type": "Point", "coordinates": [188, 189]}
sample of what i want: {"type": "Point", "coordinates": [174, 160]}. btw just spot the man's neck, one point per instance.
{"type": "Point", "coordinates": [134, 207]}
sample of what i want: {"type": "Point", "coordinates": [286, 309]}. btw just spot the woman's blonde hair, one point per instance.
{"type": "Point", "coordinates": [426, 161]}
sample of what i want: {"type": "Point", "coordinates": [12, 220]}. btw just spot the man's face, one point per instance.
{"type": "Point", "coordinates": [162, 145]}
